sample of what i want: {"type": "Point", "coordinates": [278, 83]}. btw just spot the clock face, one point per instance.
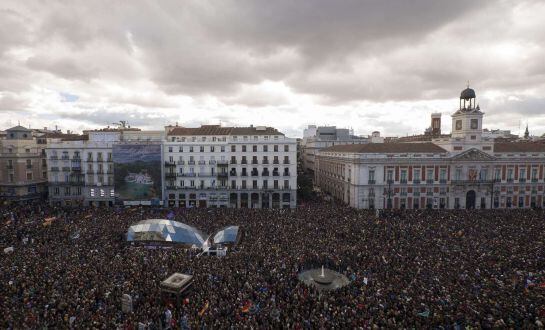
{"type": "Point", "coordinates": [458, 125]}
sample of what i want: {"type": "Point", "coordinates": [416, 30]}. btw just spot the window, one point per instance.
{"type": "Point", "coordinates": [458, 125]}
{"type": "Point", "coordinates": [509, 174]}
{"type": "Point", "coordinates": [10, 179]}
{"type": "Point", "coordinates": [286, 148]}
{"type": "Point", "coordinates": [233, 148]}
{"type": "Point", "coordinates": [429, 174]}
{"type": "Point", "coordinates": [190, 148]}
{"type": "Point", "coordinates": [181, 149]}
{"type": "Point", "coordinates": [497, 174]}
{"type": "Point", "coordinates": [403, 176]}
{"type": "Point", "coordinates": [29, 176]}
{"type": "Point", "coordinates": [416, 175]}
{"type": "Point", "coordinates": [254, 148]}
{"type": "Point", "coordinates": [222, 149]}
{"type": "Point", "coordinates": [390, 175]}
{"type": "Point", "coordinates": [275, 148]}
{"type": "Point", "coordinates": [169, 149]}
{"type": "Point", "coordinates": [243, 184]}
{"type": "Point", "coordinates": [265, 184]}
{"type": "Point", "coordinates": [212, 148]}
{"type": "Point", "coordinates": [243, 148]}
{"type": "Point", "coordinates": [474, 123]}
{"type": "Point", "coordinates": [254, 184]}
{"type": "Point", "coordinates": [286, 184]}
{"type": "Point", "coordinates": [443, 174]}
{"type": "Point", "coordinates": [265, 148]}
{"type": "Point", "coordinates": [201, 148]}
{"type": "Point", "coordinates": [192, 183]}
{"type": "Point", "coordinates": [27, 150]}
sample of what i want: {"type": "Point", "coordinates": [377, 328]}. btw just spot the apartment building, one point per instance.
{"type": "Point", "coordinates": [23, 169]}
{"type": "Point", "coordinates": [214, 166]}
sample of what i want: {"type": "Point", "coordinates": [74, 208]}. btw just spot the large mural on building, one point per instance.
{"type": "Point", "coordinates": [137, 173]}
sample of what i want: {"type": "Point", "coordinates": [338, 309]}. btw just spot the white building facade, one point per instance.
{"type": "Point", "coordinates": [81, 170]}
{"type": "Point", "coordinates": [214, 166]}
{"type": "Point", "coordinates": [464, 170]}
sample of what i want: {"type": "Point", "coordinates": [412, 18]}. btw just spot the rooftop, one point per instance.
{"type": "Point", "coordinates": [393, 147]}
{"type": "Point", "coordinates": [519, 147]}
{"type": "Point", "coordinates": [218, 130]}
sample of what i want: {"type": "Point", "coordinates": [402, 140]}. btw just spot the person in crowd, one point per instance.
{"type": "Point", "coordinates": [450, 269]}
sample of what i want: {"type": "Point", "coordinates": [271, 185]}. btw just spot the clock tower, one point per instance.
{"type": "Point", "coordinates": [467, 121]}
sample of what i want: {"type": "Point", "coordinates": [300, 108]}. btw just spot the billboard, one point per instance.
{"type": "Point", "coordinates": [137, 173]}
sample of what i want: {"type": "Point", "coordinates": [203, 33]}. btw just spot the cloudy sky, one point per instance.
{"type": "Point", "coordinates": [369, 65]}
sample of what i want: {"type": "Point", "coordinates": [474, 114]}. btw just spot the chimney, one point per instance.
{"type": "Point", "coordinates": [436, 124]}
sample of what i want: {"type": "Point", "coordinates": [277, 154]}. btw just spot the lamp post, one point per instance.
{"type": "Point", "coordinates": [389, 203]}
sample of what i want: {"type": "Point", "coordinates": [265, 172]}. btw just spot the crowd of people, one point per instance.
{"type": "Point", "coordinates": [450, 269]}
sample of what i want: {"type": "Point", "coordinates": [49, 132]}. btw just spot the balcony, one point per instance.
{"type": "Point", "coordinates": [100, 160]}
{"type": "Point", "coordinates": [54, 169]}
{"type": "Point", "coordinates": [265, 174]}
{"type": "Point", "coordinates": [212, 162]}
{"type": "Point", "coordinates": [522, 180]}
{"type": "Point", "coordinates": [54, 157]}
{"type": "Point", "coordinates": [222, 174]}
{"type": "Point", "coordinates": [244, 161]}
{"type": "Point", "coordinates": [205, 174]}
{"type": "Point", "coordinates": [265, 161]}
{"type": "Point", "coordinates": [287, 173]}
{"type": "Point", "coordinates": [191, 162]}
{"type": "Point", "coordinates": [76, 169]}
{"type": "Point", "coordinates": [170, 175]}
{"type": "Point", "coordinates": [429, 193]}
{"type": "Point", "coordinates": [255, 174]}
{"type": "Point", "coordinates": [371, 181]}
{"type": "Point", "coordinates": [276, 174]}
{"type": "Point", "coordinates": [534, 179]}
{"type": "Point", "coordinates": [181, 162]}
{"type": "Point", "coordinates": [65, 158]}
{"type": "Point", "coordinates": [442, 193]}
{"type": "Point", "coordinates": [416, 181]}
{"type": "Point", "coordinates": [416, 193]}
{"type": "Point", "coordinates": [170, 164]}
{"type": "Point", "coordinates": [509, 179]}
{"type": "Point", "coordinates": [403, 193]}
{"type": "Point", "coordinates": [100, 171]}
{"type": "Point", "coordinates": [222, 162]}
{"type": "Point", "coordinates": [233, 161]}
{"type": "Point", "coordinates": [286, 161]}
{"type": "Point", "coordinates": [403, 181]}
{"type": "Point", "coordinates": [276, 162]}
{"type": "Point", "coordinates": [28, 166]}
{"type": "Point", "coordinates": [254, 162]}
{"type": "Point", "coordinates": [190, 175]}
{"type": "Point", "coordinates": [89, 160]}
{"type": "Point", "coordinates": [202, 162]}
{"type": "Point", "coordinates": [233, 173]}
{"type": "Point", "coordinates": [244, 174]}
{"type": "Point", "coordinates": [66, 169]}
{"type": "Point", "coordinates": [430, 181]}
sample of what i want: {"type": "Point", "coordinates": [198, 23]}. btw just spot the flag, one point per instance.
{"type": "Point", "coordinates": [203, 310]}
{"type": "Point", "coordinates": [246, 307]}
{"type": "Point", "coordinates": [424, 314]}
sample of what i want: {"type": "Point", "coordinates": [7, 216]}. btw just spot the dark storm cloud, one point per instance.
{"type": "Point", "coordinates": [262, 55]}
